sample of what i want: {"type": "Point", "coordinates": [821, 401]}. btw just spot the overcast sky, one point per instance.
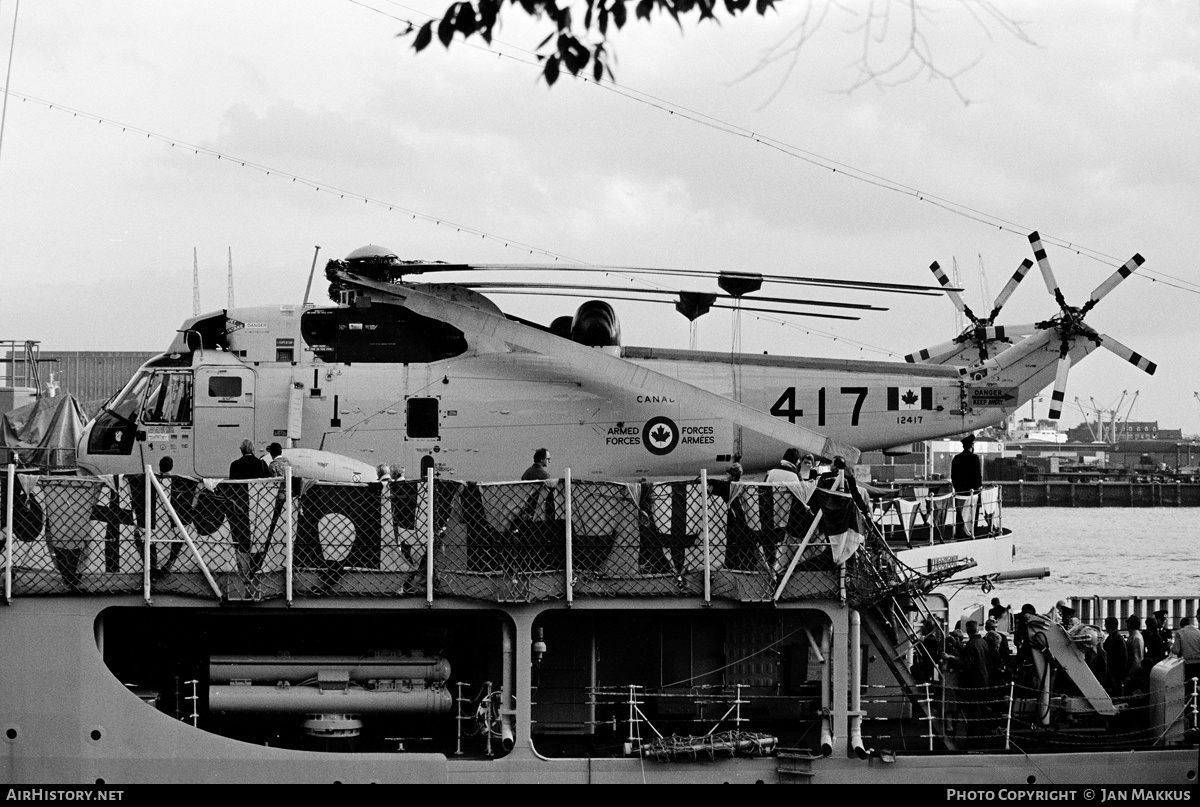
{"type": "Point", "coordinates": [1087, 132]}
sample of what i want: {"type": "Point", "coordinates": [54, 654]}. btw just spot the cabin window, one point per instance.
{"type": "Point", "coordinates": [422, 417]}
{"type": "Point", "coordinates": [225, 386]}
{"type": "Point", "coordinates": [169, 399]}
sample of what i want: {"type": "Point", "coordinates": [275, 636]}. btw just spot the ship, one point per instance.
{"type": "Point", "coordinates": [565, 631]}
{"type": "Point", "coordinates": [642, 616]}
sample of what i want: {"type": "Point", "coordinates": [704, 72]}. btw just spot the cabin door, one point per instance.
{"type": "Point", "coordinates": [224, 417]}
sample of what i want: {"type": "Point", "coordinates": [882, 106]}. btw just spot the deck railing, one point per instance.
{"type": "Point", "coordinates": [427, 538]}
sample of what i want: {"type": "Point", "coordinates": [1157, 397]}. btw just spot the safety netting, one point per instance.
{"type": "Point", "coordinates": [502, 542]}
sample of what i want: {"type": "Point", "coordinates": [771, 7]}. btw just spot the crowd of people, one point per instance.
{"type": "Point", "coordinates": [978, 664]}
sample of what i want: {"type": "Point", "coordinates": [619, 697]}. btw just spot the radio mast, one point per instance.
{"type": "Point", "coordinates": [195, 284]}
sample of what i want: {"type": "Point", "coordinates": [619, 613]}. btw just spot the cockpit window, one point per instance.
{"type": "Point", "coordinates": [169, 399]}
{"type": "Point", "coordinates": [127, 402]}
{"type": "Point", "coordinates": [114, 429]}
{"type": "Point", "coordinates": [224, 386]}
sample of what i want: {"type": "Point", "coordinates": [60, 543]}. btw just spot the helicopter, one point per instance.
{"type": "Point", "coordinates": [434, 376]}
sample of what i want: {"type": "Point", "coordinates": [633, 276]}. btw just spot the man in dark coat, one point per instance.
{"type": "Point", "coordinates": [966, 475]}
{"type": "Point", "coordinates": [247, 466]}
{"type": "Point", "coordinates": [1115, 655]}
{"type": "Point", "coordinates": [965, 472]}
{"type": "Point", "coordinates": [541, 458]}
{"type": "Point", "coordinates": [974, 664]}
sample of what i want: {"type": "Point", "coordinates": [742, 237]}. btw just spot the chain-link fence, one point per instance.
{"type": "Point", "coordinates": [518, 541]}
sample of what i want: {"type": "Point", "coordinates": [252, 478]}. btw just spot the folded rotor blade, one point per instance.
{"type": "Point", "coordinates": [954, 296]}
{"type": "Point", "coordinates": [1010, 287]}
{"type": "Point", "coordinates": [933, 355]}
{"type": "Point", "coordinates": [1009, 331]}
{"type": "Point", "coordinates": [1136, 359]}
{"type": "Point", "coordinates": [1039, 252]}
{"type": "Point", "coordinates": [1115, 279]}
{"type": "Point", "coordinates": [1060, 386]}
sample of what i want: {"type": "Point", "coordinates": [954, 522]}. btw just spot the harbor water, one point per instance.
{"type": "Point", "coordinates": [1101, 552]}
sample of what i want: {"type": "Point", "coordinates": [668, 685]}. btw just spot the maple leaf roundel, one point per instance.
{"type": "Point", "coordinates": [660, 435]}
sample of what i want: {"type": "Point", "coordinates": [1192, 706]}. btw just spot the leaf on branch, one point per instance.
{"type": "Point", "coordinates": [446, 29]}
{"type": "Point", "coordinates": [488, 12]}
{"type": "Point", "coordinates": [464, 19]}
{"type": "Point", "coordinates": [551, 70]}
{"type": "Point", "coordinates": [761, 6]}
{"type": "Point", "coordinates": [574, 55]}
{"type": "Point", "coordinates": [644, 7]}
{"type": "Point", "coordinates": [618, 13]}
{"type": "Point", "coordinates": [424, 37]}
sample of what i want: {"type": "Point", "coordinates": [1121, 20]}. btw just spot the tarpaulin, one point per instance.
{"type": "Point", "coordinates": [44, 432]}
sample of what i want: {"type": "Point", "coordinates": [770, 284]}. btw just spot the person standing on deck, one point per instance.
{"type": "Point", "coordinates": [966, 475]}
{"type": "Point", "coordinates": [1116, 655]}
{"type": "Point", "coordinates": [541, 458]}
{"type": "Point", "coordinates": [247, 466]}
{"type": "Point", "coordinates": [1135, 651]}
{"type": "Point", "coordinates": [975, 663]}
{"type": "Point", "coordinates": [1186, 645]}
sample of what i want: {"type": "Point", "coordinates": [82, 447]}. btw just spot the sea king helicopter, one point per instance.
{"type": "Point", "coordinates": [434, 375]}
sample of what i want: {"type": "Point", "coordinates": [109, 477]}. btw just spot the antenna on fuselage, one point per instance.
{"type": "Point", "coordinates": [195, 283]}
{"type": "Point", "coordinates": [313, 269]}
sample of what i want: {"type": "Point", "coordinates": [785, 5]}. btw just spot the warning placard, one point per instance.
{"type": "Point", "coordinates": [994, 396]}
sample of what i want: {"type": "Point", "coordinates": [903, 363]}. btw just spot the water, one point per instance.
{"type": "Point", "coordinates": [1099, 551]}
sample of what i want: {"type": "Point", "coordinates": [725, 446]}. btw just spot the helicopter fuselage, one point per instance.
{"type": "Point", "coordinates": [381, 385]}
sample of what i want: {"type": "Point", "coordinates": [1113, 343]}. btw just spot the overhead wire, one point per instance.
{"type": "Point", "coordinates": [817, 160]}
{"type": "Point", "coordinates": [686, 113]}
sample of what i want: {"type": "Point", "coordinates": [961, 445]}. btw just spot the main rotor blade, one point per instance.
{"type": "Point", "coordinates": [1010, 287]}
{"type": "Point", "coordinates": [420, 267]}
{"type": "Point", "coordinates": [946, 287]}
{"type": "Point", "coordinates": [603, 369]}
{"type": "Point", "coordinates": [672, 302]}
{"type": "Point", "coordinates": [1060, 386]}
{"type": "Point", "coordinates": [1130, 266]}
{"type": "Point", "coordinates": [1039, 252]}
{"type": "Point", "coordinates": [673, 292]}
{"type": "Point", "coordinates": [1136, 359]}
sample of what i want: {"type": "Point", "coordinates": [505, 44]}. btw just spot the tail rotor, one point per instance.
{"type": "Point", "coordinates": [1070, 325]}
{"type": "Point", "coordinates": [981, 333]}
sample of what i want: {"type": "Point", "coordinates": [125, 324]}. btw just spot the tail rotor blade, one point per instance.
{"type": "Point", "coordinates": [1115, 279]}
{"type": "Point", "coordinates": [1039, 252]}
{"type": "Point", "coordinates": [1010, 287]}
{"type": "Point", "coordinates": [1060, 386]}
{"type": "Point", "coordinates": [1136, 359]}
{"type": "Point", "coordinates": [945, 281]}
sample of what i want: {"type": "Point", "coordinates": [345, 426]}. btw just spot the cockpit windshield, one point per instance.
{"type": "Point", "coordinates": [114, 429]}
{"type": "Point", "coordinates": [126, 403]}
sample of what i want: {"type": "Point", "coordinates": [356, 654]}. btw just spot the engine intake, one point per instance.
{"type": "Point", "coordinates": [596, 325]}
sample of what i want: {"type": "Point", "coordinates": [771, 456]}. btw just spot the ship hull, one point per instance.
{"type": "Point", "coordinates": [66, 718]}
